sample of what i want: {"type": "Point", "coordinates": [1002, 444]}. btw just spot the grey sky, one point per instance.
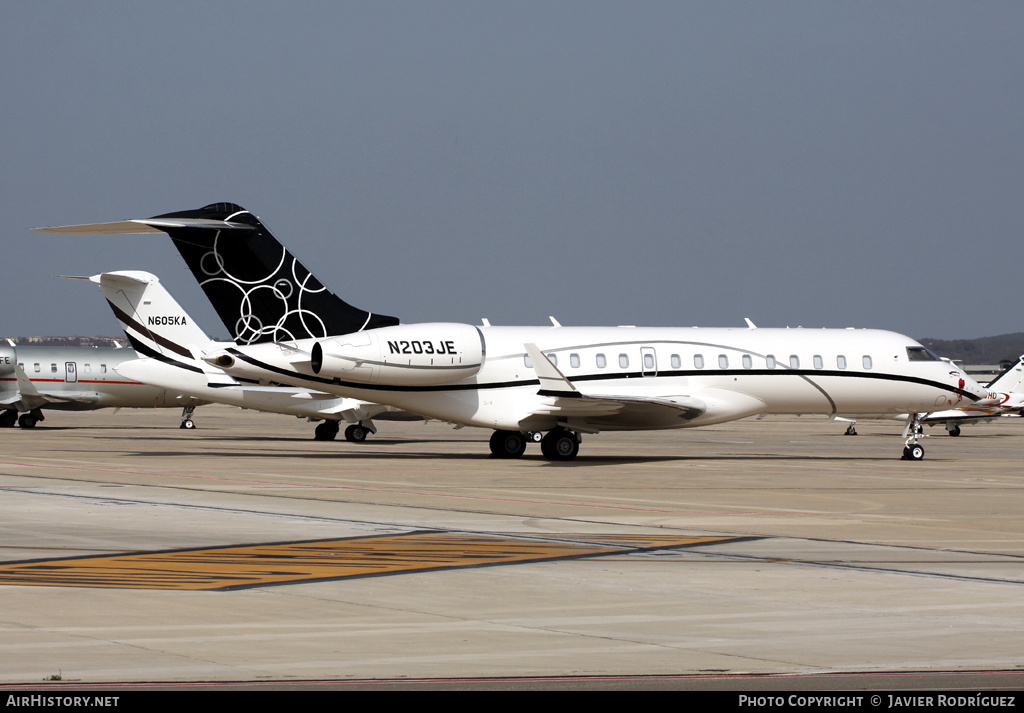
{"type": "Point", "coordinates": [661, 163]}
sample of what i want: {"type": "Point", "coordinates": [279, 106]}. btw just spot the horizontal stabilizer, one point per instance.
{"type": "Point", "coordinates": [140, 226]}
{"type": "Point", "coordinates": [218, 379]}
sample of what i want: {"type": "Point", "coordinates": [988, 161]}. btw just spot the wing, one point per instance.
{"type": "Point", "coordinates": [24, 396]}
{"type": "Point", "coordinates": [591, 411]}
{"type": "Point", "coordinates": [964, 415]}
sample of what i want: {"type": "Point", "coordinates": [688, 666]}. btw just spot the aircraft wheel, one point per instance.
{"type": "Point", "coordinates": [8, 418]}
{"type": "Point", "coordinates": [851, 431]}
{"type": "Point", "coordinates": [188, 423]}
{"type": "Point", "coordinates": [955, 431]}
{"type": "Point", "coordinates": [507, 444]}
{"type": "Point", "coordinates": [355, 433]}
{"type": "Point", "coordinates": [27, 420]}
{"type": "Point", "coordinates": [914, 452]}
{"type": "Point", "coordinates": [560, 444]}
{"type": "Point", "coordinates": [535, 436]}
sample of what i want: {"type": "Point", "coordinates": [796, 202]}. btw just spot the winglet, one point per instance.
{"type": "Point", "coordinates": [552, 381]}
{"type": "Point", "coordinates": [25, 385]}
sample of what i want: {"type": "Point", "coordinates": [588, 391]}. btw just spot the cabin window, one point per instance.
{"type": "Point", "coordinates": [698, 361]}
{"type": "Point", "coordinates": [553, 358]}
{"type": "Point", "coordinates": [769, 361]}
{"type": "Point", "coordinates": [88, 368]}
{"type": "Point", "coordinates": [841, 361]}
{"type": "Point", "coordinates": [36, 368]}
{"type": "Point", "coordinates": [677, 363]}
{"type": "Point", "coordinates": [648, 361]}
{"type": "Point", "coordinates": [748, 363]}
{"type": "Point", "coordinates": [527, 361]}
{"type": "Point", "coordinates": [53, 368]}
{"type": "Point", "coordinates": [794, 361]}
{"type": "Point", "coordinates": [624, 361]}
{"type": "Point", "coordinates": [103, 368]}
{"type": "Point", "coordinates": [819, 363]}
{"type": "Point", "coordinates": [921, 354]}
{"type": "Point", "coordinates": [574, 361]}
{"type": "Point", "coordinates": [723, 361]}
{"type": "Point", "coordinates": [866, 361]}
{"type": "Point", "coordinates": [601, 361]}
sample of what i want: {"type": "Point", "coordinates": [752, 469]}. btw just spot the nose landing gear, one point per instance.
{"type": "Point", "coordinates": [912, 450]}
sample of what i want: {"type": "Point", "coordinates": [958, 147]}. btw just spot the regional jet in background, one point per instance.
{"type": "Point", "coordinates": [519, 381]}
{"type": "Point", "coordinates": [75, 379]}
{"type": "Point", "coordinates": [1004, 397]}
{"type": "Point", "coordinates": [173, 346]}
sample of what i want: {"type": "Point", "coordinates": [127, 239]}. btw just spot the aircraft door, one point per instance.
{"type": "Point", "coordinates": [70, 372]}
{"type": "Point", "coordinates": [648, 361]}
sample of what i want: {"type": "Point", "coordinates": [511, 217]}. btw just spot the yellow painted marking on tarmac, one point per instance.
{"type": "Point", "coordinates": [294, 562]}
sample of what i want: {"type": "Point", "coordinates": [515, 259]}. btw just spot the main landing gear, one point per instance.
{"type": "Point", "coordinates": [326, 431]}
{"type": "Point", "coordinates": [355, 433]}
{"type": "Point", "coordinates": [559, 444]}
{"type": "Point", "coordinates": [26, 420]}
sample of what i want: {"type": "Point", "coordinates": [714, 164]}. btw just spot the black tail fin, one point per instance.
{"type": "Point", "coordinates": [260, 291]}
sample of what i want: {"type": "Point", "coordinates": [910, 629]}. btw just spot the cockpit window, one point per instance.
{"type": "Point", "coordinates": [920, 354]}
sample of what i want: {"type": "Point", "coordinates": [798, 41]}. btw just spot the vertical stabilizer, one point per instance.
{"type": "Point", "coordinates": [1012, 378]}
{"type": "Point", "coordinates": [261, 292]}
{"type": "Point", "coordinates": [153, 321]}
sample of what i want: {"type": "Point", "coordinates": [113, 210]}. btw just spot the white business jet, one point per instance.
{"type": "Point", "coordinates": [35, 378]}
{"type": "Point", "coordinates": [524, 381]}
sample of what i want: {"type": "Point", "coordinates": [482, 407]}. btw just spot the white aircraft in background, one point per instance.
{"type": "Point", "coordinates": [173, 346]}
{"type": "Point", "coordinates": [1004, 397]}
{"type": "Point", "coordinates": [519, 381]}
{"type": "Point", "coordinates": [75, 379]}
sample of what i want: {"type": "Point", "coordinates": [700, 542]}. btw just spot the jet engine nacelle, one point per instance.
{"type": "Point", "coordinates": [8, 360]}
{"type": "Point", "coordinates": [403, 355]}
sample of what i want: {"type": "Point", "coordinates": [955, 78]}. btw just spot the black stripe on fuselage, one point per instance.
{"type": "Point", "coordinates": [144, 350]}
{"type": "Point", "coordinates": [801, 373]}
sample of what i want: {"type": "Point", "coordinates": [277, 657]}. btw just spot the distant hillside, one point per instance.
{"type": "Point", "coordinates": [987, 350]}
